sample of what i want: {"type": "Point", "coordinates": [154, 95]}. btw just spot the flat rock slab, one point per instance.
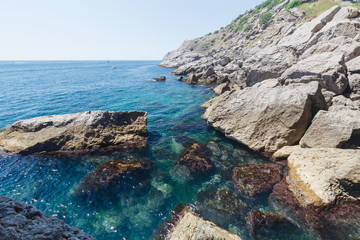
{"type": "Point", "coordinates": [85, 131]}
{"type": "Point", "coordinates": [254, 180]}
{"type": "Point", "coordinates": [265, 118]}
{"type": "Point", "coordinates": [21, 221]}
{"type": "Point", "coordinates": [324, 177]}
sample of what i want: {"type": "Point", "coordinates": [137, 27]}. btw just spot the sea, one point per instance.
{"type": "Point", "coordinates": [38, 88]}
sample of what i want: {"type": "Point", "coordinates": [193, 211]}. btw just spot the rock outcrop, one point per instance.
{"type": "Point", "coordinates": [85, 131]}
{"type": "Point", "coordinates": [159, 79]}
{"type": "Point", "coordinates": [291, 87]}
{"type": "Point", "coordinates": [185, 225]}
{"type": "Point", "coordinates": [123, 174]}
{"type": "Point", "coordinates": [265, 117]}
{"type": "Point", "coordinates": [21, 221]}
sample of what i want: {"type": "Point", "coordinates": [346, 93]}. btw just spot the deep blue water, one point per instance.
{"type": "Point", "coordinates": [31, 89]}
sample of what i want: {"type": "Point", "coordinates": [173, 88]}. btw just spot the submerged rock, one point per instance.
{"type": "Point", "coordinates": [223, 203]}
{"type": "Point", "coordinates": [159, 79]}
{"type": "Point", "coordinates": [195, 159]}
{"type": "Point", "coordinates": [85, 131]}
{"type": "Point", "coordinates": [185, 225]}
{"type": "Point", "coordinates": [266, 225]}
{"type": "Point", "coordinates": [21, 221]}
{"type": "Point", "coordinates": [124, 174]}
{"type": "Point", "coordinates": [340, 222]}
{"type": "Point", "coordinates": [255, 180]}
{"type": "Point", "coordinates": [266, 117]}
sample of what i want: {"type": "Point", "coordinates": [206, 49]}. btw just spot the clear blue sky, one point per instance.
{"type": "Point", "coordinates": [108, 29]}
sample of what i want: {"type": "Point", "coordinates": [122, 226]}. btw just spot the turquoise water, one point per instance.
{"type": "Point", "coordinates": [31, 89]}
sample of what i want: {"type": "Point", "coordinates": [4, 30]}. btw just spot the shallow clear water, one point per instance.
{"type": "Point", "coordinates": [31, 89]}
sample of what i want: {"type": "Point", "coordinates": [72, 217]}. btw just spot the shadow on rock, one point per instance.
{"type": "Point", "coordinates": [266, 225]}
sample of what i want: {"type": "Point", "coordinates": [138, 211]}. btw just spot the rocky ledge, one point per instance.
{"type": "Point", "coordinates": [21, 221]}
{"type": "Point", "coordinates": [85, 131]}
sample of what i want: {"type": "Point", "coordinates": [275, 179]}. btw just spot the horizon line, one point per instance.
{"type": "Point", "coordinates": [16, 60]}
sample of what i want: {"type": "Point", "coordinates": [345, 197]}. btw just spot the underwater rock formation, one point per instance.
{"type": "Point", "coordinates": [123, 174]}
{"type": "Point", "coordinates": [195, 159]}
{"type": "Point", "coordinates": [255, 180]}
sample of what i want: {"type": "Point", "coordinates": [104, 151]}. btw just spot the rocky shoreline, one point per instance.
{"type": "Point", "coordinates": [289, 89]}
{"type": "Point", "coordinates": [21, 221]}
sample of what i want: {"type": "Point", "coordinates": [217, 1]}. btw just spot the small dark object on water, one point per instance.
{"type": "Point", "coordinates": [159, 79]}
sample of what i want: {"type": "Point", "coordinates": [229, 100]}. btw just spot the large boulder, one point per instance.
{"type": "Point", "coordinates": [85, 131]}
{"type": "Point", "coordinates": [302, 35]}
{"type": "Point", "coordinates": [269, 63]}
{"type": "Point", "coordinates": [337, 128]}
{"type": "Point", "coordinates": [123, 174]}
{"type": "Point", "coordinates": [265, 117]}
{"type": "Point", "coordinates": [21, 221]}
{"type": "Point", "coordinates": [324, 177]}
{"type": "Point", "coordinates": [255, 180]}
{"type": "Point", "coordinates": [185, 225]}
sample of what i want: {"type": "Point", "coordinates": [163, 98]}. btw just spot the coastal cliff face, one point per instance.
{"type": "Point", "coordinates": [85, 131]}
{"type": "Point", "coordinates": [287, 77]}
{"type": "Point", "coordinates": [21, 221]}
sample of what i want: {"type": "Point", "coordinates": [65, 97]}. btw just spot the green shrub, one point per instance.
{"type": "Point", "coordinates": [239, 27]}
{"type": "Point", "coordinates": [265, 19]}
{"type": "Point", "coordinates": [274, 3]}
{"type": "Point", "coordinates": [216, 32]}
{"type": "Point", "coordinates": [212, 41]}
{"type": "Point", "coordinates": [225, 39]}
{"type": "Point", "coordinates": [292, 4]}
{"type": "Point", "coordinates": [248, 28]}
